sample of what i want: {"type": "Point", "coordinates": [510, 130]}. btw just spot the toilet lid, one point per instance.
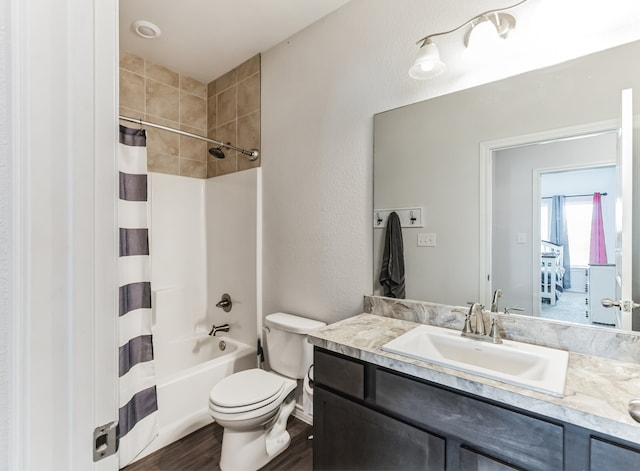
{"type": "Point", "coordinates": [246, 388]}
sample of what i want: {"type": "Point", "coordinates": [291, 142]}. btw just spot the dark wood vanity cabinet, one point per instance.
{"type": "Point", "coordinates": [352, 436]}
{"type": "Point", "coordinates": [371, 418]}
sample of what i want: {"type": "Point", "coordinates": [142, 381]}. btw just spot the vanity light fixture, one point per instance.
{"type": "Point", "coordinates": [489, 27]}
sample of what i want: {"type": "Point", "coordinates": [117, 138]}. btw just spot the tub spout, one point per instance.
{"type": "Point", "coordinates": [219, 328]}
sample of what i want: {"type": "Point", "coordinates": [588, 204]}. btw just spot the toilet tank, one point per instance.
{"type": "Point", "coordinates": [288, 351]}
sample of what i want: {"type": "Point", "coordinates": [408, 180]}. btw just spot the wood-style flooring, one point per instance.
{"type": "Point", "coordinates": [200, 451]}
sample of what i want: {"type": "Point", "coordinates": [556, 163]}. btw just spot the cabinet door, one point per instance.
{"type": "Point", "coordinates": [612, 457]}
{"type": "Point", "coordinates": [350, 436]}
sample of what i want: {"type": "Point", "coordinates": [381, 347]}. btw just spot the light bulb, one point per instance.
{"type": "Point", "coordinates": [427, 63]}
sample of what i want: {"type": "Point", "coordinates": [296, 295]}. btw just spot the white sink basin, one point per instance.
{"type": "Point", "coordinates": [542, 369]}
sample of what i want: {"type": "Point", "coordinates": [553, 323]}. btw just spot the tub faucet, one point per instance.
{"type": "Point", "coordinates": [219, 328]}
{"type": "Point", "coordinates": [497, 294]}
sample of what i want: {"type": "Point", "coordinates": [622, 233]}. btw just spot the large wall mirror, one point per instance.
{"type": "Point", "coordinates": [497, 171]}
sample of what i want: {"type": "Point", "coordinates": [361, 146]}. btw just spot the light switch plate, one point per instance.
{"type": "Point", "coordinates": [426, 239]}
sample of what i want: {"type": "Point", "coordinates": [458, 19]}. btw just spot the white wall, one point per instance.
{"type": "Point", "coordinates": [320, 90]}
{"type": "Point", "coordinates": [232, 251]}
{"type": "Point", "coordinates": [6, 268]}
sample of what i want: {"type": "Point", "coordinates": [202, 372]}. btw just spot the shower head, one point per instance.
{"type": "Point", "coordinates": [217, 152]}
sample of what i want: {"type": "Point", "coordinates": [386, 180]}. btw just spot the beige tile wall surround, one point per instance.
{"type": "Point", "coordinates": [226, 109]}
{"type": "Point", "coordinates": [193, 86]}
{"type": "Point", "coordinates": [226, 103]}
{"type": "Point", "coordinates": [132, 63]}
{"type": "Point", "coordinates": [161, 74]}
{"type": "Point", "coordinates": [233, 115]}
{"type": "Point", "coordinates": [162, 101]}
{"type": "Point", "coordinates": [227, 80]}
{"type": "Point", "coordinates": [248, 68]}
{"type": "Point", "coordinates": [193, 111]}
{"type": "Point", "coordinates": [160, 95]}
{"type": "Point", "coordinates": [249, 95]}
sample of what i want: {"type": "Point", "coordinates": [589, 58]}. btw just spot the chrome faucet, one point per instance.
{"type": "Point", "coordinates": [497, 294]}
{"type": "Point", "coordinates": [476, 310]}
{"type": "Point", "coordinates": [479, 332]}
{"type": "Point", "coordinates": [219, 328]}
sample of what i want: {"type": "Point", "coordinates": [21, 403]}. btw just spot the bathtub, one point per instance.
{"type": "Point", "coordinates": [186, 370]}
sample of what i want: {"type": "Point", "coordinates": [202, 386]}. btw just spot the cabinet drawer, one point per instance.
{"type": "Point", "coordinates": [517, 439]}
{"type": "Point", "coordinates": [338, 373]}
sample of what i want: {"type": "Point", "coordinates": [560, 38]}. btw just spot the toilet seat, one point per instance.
{"type": "Point", "coordinates": [246, 391]}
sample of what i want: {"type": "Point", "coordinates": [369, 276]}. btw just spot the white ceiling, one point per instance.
{"type": "Point", "coordinates": [206, 38]}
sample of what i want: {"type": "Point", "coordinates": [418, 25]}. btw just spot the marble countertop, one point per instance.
{"type": "Point", "coordinates": [597, 390]}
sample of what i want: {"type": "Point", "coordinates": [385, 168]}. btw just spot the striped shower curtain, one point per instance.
{"type": "Point", "coordinates": [138, 417]}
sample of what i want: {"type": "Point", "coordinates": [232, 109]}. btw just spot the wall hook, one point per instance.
{"type": "Point", "coordinates": [412, 217]}
{"type": "Point", "coordinates": [378, 219]}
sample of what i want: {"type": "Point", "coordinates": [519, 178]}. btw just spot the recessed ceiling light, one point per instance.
{"type": "Point", "coordinates": [146, 29]}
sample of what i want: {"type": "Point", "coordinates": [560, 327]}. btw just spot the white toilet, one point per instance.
{"type": "Point", "coordinates": [254, 405]}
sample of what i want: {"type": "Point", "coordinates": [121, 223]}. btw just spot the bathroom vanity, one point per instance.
{"type": "Point", "coordinates": [378, 410]}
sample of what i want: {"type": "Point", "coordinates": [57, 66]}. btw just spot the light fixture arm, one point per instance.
{"type": "Point", "coordinates": [421, 42]}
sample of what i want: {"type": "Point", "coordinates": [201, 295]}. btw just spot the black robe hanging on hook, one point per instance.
{"type": "Point", "coordinates": [392, 270]}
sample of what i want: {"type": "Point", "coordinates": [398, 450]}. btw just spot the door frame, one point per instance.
{"type": "Point", "coordinates": [487, 151]}
{"type": "Point", "coordinates": [64, 96]}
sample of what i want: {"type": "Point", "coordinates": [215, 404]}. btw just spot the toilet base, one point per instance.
{"type": "Point", "coordinates": [251, 450]}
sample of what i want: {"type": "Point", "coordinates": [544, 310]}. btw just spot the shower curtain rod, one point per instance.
{"type": "Point", "coordinates": [253, 154]}
{"type": "Point", "coordinates": [573, 196]}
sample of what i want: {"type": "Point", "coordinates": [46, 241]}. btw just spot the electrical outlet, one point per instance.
{"type": "Point", "coordinates": [426, 239]}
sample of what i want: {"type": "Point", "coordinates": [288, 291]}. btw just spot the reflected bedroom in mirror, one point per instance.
{"type": "Point", "coordinates": [524, 191]}
{"type": "Point", "coordinates": [575, 214]}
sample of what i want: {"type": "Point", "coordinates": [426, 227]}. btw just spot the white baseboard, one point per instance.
{"type": "Point", "coordinates": [299, 414]}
